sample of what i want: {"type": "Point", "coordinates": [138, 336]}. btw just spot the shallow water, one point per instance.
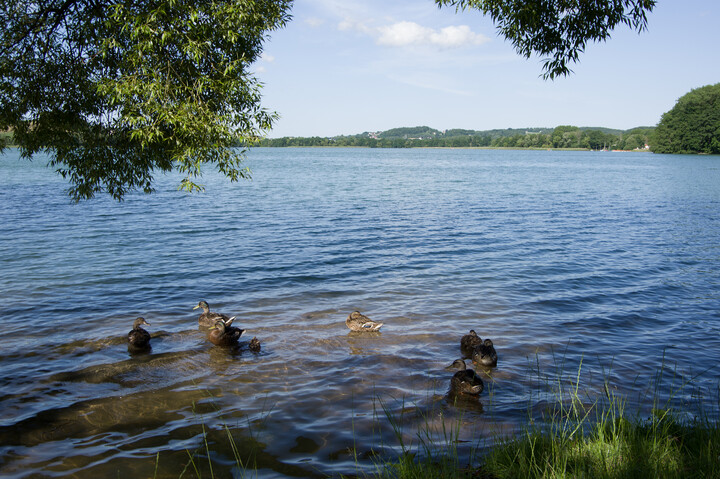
{"type": "Point", "coordinates": [609, 260]}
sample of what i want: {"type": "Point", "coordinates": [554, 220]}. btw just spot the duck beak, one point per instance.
{"type": "Point", "coordinates": [196, 307]}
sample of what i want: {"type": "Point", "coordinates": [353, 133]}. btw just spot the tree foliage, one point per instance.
{"type": "Point", "coordinates": [692, 125]}
{"type": "Point", "coordinates": [558, 30]}
{"type": "Point", "coordinates": [118, 90]}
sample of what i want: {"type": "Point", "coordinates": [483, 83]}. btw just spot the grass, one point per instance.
{"type": "Point", "coordinates": [616, 447]}
{"type": "Point", "coordinates": [602, 441]}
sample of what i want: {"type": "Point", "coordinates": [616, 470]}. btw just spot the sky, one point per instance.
{"type": "Point", "coordinates": [343, 67]}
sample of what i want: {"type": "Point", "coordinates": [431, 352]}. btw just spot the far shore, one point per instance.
{"type": "Point", "coordinates": [459, 148]}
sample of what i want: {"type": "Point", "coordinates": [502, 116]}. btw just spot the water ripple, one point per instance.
{"type": "Point", "coordinates": [605, 262]}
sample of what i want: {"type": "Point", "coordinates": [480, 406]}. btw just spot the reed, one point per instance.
{"type": "Point", "coordinates": [219, 441]}
{"type": "Point", "coordinates": [426, 457]}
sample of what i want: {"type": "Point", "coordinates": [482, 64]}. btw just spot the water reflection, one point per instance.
{"type": "Point", "coordinates": [364, 343]}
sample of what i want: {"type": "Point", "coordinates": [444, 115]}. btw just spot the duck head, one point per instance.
{"type": "Point", "coordinates": [203, 305]}
{"type": "Point", "coordinates": [219, 326]}
{"type": "Point", "coordinates": [139, 322]}
{"type": "Point", "coordinates": [459, 364]}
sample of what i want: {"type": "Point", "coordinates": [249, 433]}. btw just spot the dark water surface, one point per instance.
{"type": "Point", "coordinates": [609, 260]}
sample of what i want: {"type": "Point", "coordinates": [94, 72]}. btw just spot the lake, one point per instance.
{"type": "Point", "coordinates": [602, 266]}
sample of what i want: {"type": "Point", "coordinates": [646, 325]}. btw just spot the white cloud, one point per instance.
{"type": "Point", "coordinates": [314, 22]}
{"type": "Point", "coordinates": [403, 34]}
{"type": "Point", "coordinates": [348, 25]}
{"type": "Point", "coordinates": [267, 58]}
{"type": "Point", "coordinates": [408, 34]}
{"type": "Point", "coordinates": [457, 37]}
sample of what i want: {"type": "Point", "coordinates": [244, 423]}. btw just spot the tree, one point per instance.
{"type": "Point", "coordinates": [117, 90]}
{"type": "Point", "coordinates": [595, 139]}
{"type": "Point", "coordinates": [558, 30]}
{"type": "Point", "coordinates": [692, 125]}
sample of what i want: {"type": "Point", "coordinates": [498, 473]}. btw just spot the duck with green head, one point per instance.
{"type": "Point", "coordinates": [223, 335]}
{"type": "Point", "coordinates": [207, 319]}
{"type": "Point", "coordinates": [138, 337]}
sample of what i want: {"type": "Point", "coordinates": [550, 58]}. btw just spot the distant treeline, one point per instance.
{"type": "Point", "coordinates": [422, 136]}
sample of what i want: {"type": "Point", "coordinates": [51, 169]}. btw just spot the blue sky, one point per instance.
{"type": "Point", "coordinates": [342, 67]}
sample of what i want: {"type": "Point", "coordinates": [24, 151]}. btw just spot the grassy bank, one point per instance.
{"type": "Point", "coordinates": [578, 434]}
{"type": "Point", "coordinates": [589, 438]}
{"type": "Point", "coordinates": [615, 447]}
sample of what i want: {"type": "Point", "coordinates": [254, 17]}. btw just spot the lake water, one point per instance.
{"type": "Point", "coordinates": [603, 263]}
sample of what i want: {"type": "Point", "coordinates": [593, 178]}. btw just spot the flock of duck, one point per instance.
{"type": "Point", "coordinates": [465, 382]}
{"type": "Point", "coordinates": [220, 331]}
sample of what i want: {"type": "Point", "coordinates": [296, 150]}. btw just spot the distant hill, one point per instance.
{"type": "Point", "coordinates": [426, 132]}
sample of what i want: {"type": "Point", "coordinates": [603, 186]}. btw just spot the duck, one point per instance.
{"type": "Point", "coordinates": [139, 338]}
{"type": "Point", "coordinates": [359, 322]}
{"type": "Point", "coordinates": [207, 319]}
{"type": "Point", "coordinates": [254, 345]}
{"type": "Point", "coordinates": [469, 342]}
{"type": "Point", "coordinates": [223, 335]}
{"type": "Point", "coordinates": [465, 381]}
{"type": "Point", "coordinates": [485, 354]}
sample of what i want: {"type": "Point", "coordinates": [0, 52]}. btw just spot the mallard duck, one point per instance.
{"type": "Point", "coordinates": [254, 345]}
{"type": "Point", "coordinates": [138, 338]}
{"type": "Point", "coordinates": [359, 322]}
{"type": "Point", "coordinates": [484, 354]}
{"type": "Point", "coordinates": [468, 343]}
{"type": "Point", "coordinates": [208, 319]}
{"type": "Point", "coordinates": [222, 335]}
{"type": "Point", "coordinates": [465, 381]}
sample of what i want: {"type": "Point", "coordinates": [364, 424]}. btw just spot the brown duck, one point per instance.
{"type": "Point", "coordinates": [468, 343]}
{"type": "Point", "coordinates": [139, 338]}
{"type": "Point", "coordinates": [254, 345]}
{"type": "Point", "coordinates": [359, 322]}
{"type": "Point", "coordinates": [207, 318]}
{"type": "Point", "coordinates": [465, 381]}
{"type": "Point", "coordinates": [485, 354]}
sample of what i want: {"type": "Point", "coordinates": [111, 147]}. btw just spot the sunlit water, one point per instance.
{"type": "Point", "coordinates": [604, 262]}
